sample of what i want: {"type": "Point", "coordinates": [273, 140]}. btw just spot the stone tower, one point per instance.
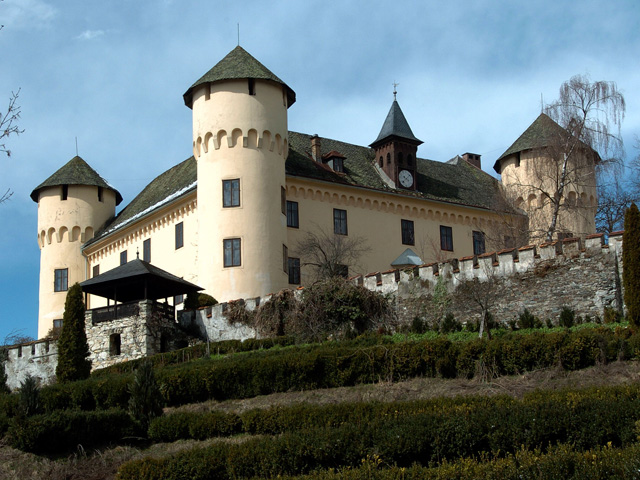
{"type": "Point", "coordinates": [73, 204]}
{"type": "Point", "coordinates": [532, 167]}
{"type": "Point", "coordinates": [240, 142]}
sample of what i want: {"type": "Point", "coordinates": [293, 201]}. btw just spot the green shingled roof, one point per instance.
{"type": "Point", "coordinates": [543, 132]}
{"type": "Point", "coordinates": [396, 125]}
{"type": "Point", "coordinates": [75, 172]}
{"type": "Point", "coordinates": [238, 64]}
{"type": "Point", "coordinates": [166, 187]}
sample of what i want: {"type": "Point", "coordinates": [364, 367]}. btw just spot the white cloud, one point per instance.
{"type": "Point", "coordinates": [90, 34]}
{"type": "Point", "coordinates": [27, 13]}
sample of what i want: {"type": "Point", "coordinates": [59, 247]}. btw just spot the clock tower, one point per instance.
{"type": "Point", "coordinates": [396, 148]}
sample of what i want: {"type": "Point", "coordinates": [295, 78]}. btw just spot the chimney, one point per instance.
{"type": "Point", "coordinates": [315, 148]}
{"type": "Point", "coordinates": [473, 159]}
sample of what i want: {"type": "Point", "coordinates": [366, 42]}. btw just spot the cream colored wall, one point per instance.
{"type": "Point", "coordinates": [63, 225]}
{"type": "Point", "coordinates": [376, 217]}
{"type": "Point", "coordinates": [536, 173]}
{"type": "Point", "coordinates": [160, 228]}
{"type": "Point", "coordinates": [237, 135]}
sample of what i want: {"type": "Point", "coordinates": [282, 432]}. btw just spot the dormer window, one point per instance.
{"type": "Point", "coordinates": [334, 160]}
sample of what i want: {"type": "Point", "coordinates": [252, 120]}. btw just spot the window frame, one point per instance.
{"type": "Point", "coordinates": [293, 272]}
{"type": "Point", "coordinates": [479, 246]}
{"type": "Point", "coordinates": [235, 248]}
{"type": "Point", "coordinates": [228, 200]}
{"type": "Point", "coordinates": [61, 279]}
{"type": "Point", "coordinates": [293, 219]}
{"type": "Point", "coordinates": [407, 228]}
{"type": "Point", "coordinates": [179, 235]}
{"type": "Point", "coordinates": [95, 271]}
{"type": "Point", "coordinates": [446, 238]}
{"type": "Point", "coordinates": [340, 225]}
{"type": "Point", "coordinates": [146, 250]}
{"type": "Point", "coordinates": [285, 258]}
{"type": "Point", "coordinates": [123, 257]}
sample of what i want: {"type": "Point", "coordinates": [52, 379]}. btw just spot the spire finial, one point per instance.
{"type": "Point", "coordinates": [395, 91]}
{"type": "Point", "coordinates": [138, 253]}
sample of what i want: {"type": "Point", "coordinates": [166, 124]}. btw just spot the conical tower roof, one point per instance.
{"type": "Point", "coordinates": [543, 132]}
{"type": "Point", "coordinates": [238, 64]}
{"type": "Point", "coordinates": [396, 125]}
{"type": "Point", "coordinates": [75, 172]}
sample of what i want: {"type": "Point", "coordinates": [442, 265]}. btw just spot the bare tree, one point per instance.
{"type": "Point", "coordinates": [591, 115]}
{"type": "Point", "coordinates": [614, 197]}
{"type": "Point", "coordinates": [330, 255]}
{"type": "Point", "coordinates": [480, 294]}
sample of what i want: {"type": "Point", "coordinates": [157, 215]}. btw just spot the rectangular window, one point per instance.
{"type": "Point", "coordinates": [100, 194]}
{"type": "Point", "coordinates": [57, 323]}
{"type": "Point", "coordinates": [178, 299]}
{"type": "Point", "coordinates": [294, 271]}
{"type": "Point", "coordinates": [65, 192]}
{"type": "Point", "coordinates": [446, 238]}
{"type": "Point", "coordinates": [231, 247]}
{"type": "Point", "coordinates": [123, 257]}
{"type": "Point", "coordinates": [338, 165]}
{"type": "Point", "coordinates": [283, 200]}
{"type": "Point", "coordinates": [252, 86]}
{"type": "Point", "coordinates": [146, 250]}
{"type": "Point", "coordinates": [179, 235]}
{"type": "Point", "coordinates": [114, 344]}
{"type": "Point", "coordinates": [408, 237]}
{"type": "Point", "coordinates": [96, 271]}
{"type": "Point", "coordinates": [231, 193]}
{"type": "Point", "coordinates": [61, 280]}
{"type": "Point", "coordinates": [339, 221]}
{"type": "Point", "coordinates": [478, 243]}
{"type": "Point", "coordinates": [292, 214]}
{"type": "Point", "coordinates": [285, 258]}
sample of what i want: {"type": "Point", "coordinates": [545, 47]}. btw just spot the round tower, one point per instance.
{"type": "Point", "coordinates": [531, 171]}
{"type": "Point", "coordinates": [240, 142]}
{"type": "Point", "coordinates": [73, 204]}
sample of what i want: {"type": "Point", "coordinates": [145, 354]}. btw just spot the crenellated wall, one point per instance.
{"type": "Point", "coordinates": [38, 359]}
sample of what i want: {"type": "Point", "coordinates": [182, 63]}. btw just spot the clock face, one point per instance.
{"type": "Point", "coordinates": [406, 179]}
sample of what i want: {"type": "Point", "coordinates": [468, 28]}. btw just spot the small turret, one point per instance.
{"type": "Point", "coordinates": [73, 204]}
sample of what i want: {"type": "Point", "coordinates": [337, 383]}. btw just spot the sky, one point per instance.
{"type": "Point", "coordinates": [471, 76]}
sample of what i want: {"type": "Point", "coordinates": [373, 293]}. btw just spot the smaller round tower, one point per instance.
{"type": "Point", "coordinates": [531, 169]}
{"type": "Point", "coordinates": [73, 204]}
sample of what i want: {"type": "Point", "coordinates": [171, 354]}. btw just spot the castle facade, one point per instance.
{"type": "Point", "coordinates": [234, 217]}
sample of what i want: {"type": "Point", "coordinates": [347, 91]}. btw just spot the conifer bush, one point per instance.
{"type": "Point", "coordinates": [73, 349]}
{"type": "Point", "coordinates": [631, 264]}
{"type": "Point", "coordinates": [145, 401]}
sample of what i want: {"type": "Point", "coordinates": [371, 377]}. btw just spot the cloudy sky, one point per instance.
{"type": "Point", "coordinates": [471, 77]}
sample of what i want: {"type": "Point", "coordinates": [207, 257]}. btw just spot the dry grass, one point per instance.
{"type": "Point", "coordinates": [103, 465]}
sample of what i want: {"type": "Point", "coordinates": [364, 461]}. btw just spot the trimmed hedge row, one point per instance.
{"type": "Point", "coordinates": [570, 413]}
{"type": "Point", "coordinates": [563, 462]}
{"type": "Point", "coordinates": [336, 366]}
{"type": "Point", "coordinates": [482, 428]}
{"type": "Point", "coordinates": [346, 364]}
{"type": "Point", "coordinates": [200, 351]}
{"type": "Point", "coordinates": [64, 430]}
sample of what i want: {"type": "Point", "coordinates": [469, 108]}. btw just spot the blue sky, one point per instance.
{"type": "Point", "coordinates": [471, 77]}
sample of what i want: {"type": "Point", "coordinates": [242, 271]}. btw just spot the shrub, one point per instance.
{"type": "Point", "coordinates": [145, 401]}
{"type": "Point", "coordinates": [631, 264]}
{"type": "Point", "coordinates": [612, 315]}
{"type": "Point", "coordinates": [418, 325]}
{"type": "Point", "coordinates": [197, 300]}
{"type": "Point", "coordinates": [450, 324]}
{"type": "Point", "coordinates": [526, 320]}
{"type": "Point", "coordinates": [73, 350]}
{"type": "Point", "coordinates": [29, 396]}
{"type": "Point", "coordinates": [567, 317]}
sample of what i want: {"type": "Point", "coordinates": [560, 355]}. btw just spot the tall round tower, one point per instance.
{"type": "Point", "coordinates": [240, 142]}
{"type": "Point", "coordinates": [532, 171]}
{"type": "Point", "coordinates": [73, 204]}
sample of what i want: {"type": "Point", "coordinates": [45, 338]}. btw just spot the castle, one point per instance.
{"type": "Point", "coordinates": [232, 217]}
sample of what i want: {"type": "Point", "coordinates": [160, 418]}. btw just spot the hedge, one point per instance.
{"type": "Point", "coordinates": [482, 427]}
{"type": "Point", "coordinates": [349, 363]}
{"type": "Point", "coordinates": [64, 430]}
{"type": "Point", "coordinates": [602, 463]}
